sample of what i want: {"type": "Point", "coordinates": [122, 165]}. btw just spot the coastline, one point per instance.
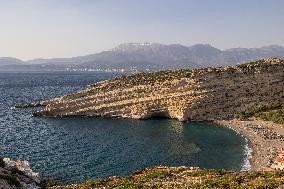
{"type": "Point", "coordinates": [264, 138]}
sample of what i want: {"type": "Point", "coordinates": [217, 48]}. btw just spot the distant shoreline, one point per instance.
{"type": "Point", "coordinates": [65, 71]}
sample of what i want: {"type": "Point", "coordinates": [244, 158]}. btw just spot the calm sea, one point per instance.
{"type": "Point", "coordinates": [75, 149]}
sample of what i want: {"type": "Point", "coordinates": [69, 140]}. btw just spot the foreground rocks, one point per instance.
{"type": "Point", "coordinates": [200, 94]}
{"type": "Point", "coordinates": [17, 174]}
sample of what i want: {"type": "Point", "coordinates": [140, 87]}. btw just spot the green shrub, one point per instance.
{"type": "Point", "coordinates": [206, 172]}
{"type": "Point", "coordinates": [45, 184]}
{"type": "Point", "coordinates": [275, 116]}
{"type": "Point", "coordinates": [157, 175]}
{"type": "Point", "coordinates": [95, 182]}
{"type": "Point", "coordinates": [2, 163]}
{"type": "Point", "coordinates": [270, 184]}
{"type": "Point", "coordinates": [268, 112]}
{"type": "Point", "coordinates": [127, 184]}
{"type": "Point", "coordinates": [11, 180]}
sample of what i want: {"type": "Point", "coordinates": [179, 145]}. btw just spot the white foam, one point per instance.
{"type": "Point", "coordinates": [248, 154]}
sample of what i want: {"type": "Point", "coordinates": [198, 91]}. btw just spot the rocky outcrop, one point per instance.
{"type": "Point", "coordinates": [199, 94]}
{"type": "Point", "coordinates": [17, 174]}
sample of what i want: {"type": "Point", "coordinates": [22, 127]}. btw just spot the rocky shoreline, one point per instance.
{"type": "Point", "coordinates": [265, 138]}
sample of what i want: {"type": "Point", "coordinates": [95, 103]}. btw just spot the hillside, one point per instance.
{"type": "Point", "coordinates": [186, 177]}
{"type": "Point", "coordinates": [198, 94]}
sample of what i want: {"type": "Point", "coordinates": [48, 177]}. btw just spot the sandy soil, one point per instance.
{"type": "Point", "coordinates": [265, 138]}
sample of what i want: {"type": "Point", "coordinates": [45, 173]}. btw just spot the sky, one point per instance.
{"type": "Point", "coordinates": [66, 28]}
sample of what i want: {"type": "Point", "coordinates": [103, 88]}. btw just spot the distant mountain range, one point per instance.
{"type": "Point", "coordinates": [146, 57]}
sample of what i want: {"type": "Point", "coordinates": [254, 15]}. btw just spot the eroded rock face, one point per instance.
{"type": "Point", "coordinates": [200, 94]}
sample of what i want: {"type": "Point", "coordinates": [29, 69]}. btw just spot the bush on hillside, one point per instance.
{"type": "Point", "coordinates": [268, 112]}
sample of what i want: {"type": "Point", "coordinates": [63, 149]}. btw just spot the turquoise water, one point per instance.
{"type": "Point", "coordinates": [75, 149]}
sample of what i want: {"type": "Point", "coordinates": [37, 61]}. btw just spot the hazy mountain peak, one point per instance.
{"type": "Point", "coordinates": [10, 61]}
{"type": "Point", "coordinates": [273, 47]}
{"type": "Point", "coordinates": [203, 46]}
{"type": "Point", "coordinates": [135, 46]}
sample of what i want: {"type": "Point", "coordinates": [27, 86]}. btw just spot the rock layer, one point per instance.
{"type": "Point", "coordinates": [198, 95]}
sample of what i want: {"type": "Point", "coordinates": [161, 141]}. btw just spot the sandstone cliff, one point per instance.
{"type": "Point", "coordinates": [198, 94]}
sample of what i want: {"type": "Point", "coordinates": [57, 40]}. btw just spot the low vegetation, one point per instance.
{"type": "Point", "coordinates": [268, 112]}
{"type": "Point", "coordinates": [169, 75]}
{"type": "Point", "coordinates": [163, 177]}
{"type": "Point", "coordinates": [2, 163]}
{"type": "Point", "coordinates": [10, 179]}
{"type": "Point", "coordinates": [45, 184]}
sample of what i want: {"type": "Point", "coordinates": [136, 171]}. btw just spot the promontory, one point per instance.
{"type": "Point", "coordinates": [203, 94]}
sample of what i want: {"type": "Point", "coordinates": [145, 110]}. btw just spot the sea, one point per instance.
{"type": "Point", "coordinates": [71, 150]}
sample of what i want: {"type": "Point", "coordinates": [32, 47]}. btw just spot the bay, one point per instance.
{"type": "Point", "coordinates": [72, 150]}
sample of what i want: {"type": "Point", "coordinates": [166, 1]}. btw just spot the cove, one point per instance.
{"type": "Point", "coordinates": [72, 150]}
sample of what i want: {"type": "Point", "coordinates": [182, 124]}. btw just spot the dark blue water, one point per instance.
{"type": "Point", "coordinates": [75, 149]}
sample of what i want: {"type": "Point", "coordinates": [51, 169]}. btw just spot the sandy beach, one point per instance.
{"type": "Point", "coordinates": [265, 138]}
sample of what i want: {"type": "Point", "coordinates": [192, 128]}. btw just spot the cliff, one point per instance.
{"type": "Point", "coordinates": [188, 94]}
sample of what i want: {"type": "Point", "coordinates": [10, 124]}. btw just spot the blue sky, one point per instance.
{"type": "Point", "coordinates": [65, 28]}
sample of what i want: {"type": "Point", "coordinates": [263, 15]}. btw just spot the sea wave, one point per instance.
{"type": "Point", "coordinates": [248, 155]}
